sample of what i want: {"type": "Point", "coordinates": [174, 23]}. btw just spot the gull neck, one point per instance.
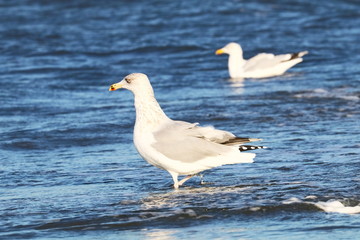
{"type": "Point", "coordinates": [235, 64]}
{"type": "Point", "coordinates": [148, 111]}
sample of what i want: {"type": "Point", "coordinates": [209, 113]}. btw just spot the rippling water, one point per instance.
{"type": "Point", "coordinates": [68, 165]}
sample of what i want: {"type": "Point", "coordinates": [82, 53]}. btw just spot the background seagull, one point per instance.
{"type": "Point", "coordinates": [260, 66]}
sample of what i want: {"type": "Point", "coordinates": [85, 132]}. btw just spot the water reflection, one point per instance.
{"type": "Point", "coordinates": [161, 234]}
{"type": "Point", "coordinates": [237, 84]}
{"type": "Point", "coordinates": [188, 197]}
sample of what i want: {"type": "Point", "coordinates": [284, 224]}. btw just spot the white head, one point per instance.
{"type": "Point", "coordinates": [148, 111]}
{"type": "Point", "coordinates": [236, 60]}
{"type": "Point", "coordinates": [137, 83]}
{"type": "Point", "coordinates": [230, 48]}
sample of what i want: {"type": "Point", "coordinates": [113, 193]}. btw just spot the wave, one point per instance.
{"type": "Point", "coordinates": [70, 136]}
{"type": "Point", "coordinates": [340, 93]}
{"type": "Point", "coordinates": [184, 216]}
{"type": "Point", "coordinates": [334, 206]}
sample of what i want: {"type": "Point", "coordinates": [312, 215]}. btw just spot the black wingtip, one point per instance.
{"type": "Point", "coordinates": [297, 55]}
{"type": "Point", "coordinates": [244, 148]}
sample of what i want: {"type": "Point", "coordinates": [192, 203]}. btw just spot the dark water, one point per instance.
{"type": "Point", "coordinates": [69, 168]}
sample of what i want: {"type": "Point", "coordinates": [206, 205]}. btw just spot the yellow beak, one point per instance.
{"type": "Point", "coordinates": [219, 51]}
{"type": "Point", "coordinates": [115, 86]}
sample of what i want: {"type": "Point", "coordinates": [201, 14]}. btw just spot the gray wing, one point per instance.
{"type": "Point", "coordinates": [262, 61]}
{"type": "Point", "coordinates": [189, 142]}
{"type": "Point", "coordinates": [268, 60]}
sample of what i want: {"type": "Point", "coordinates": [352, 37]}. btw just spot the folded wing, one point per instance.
{"type": "Point", "coordinates": [188, 142]}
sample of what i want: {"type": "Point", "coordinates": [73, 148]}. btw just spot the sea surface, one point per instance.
{"type": "Point", "coordinates": [68, 166]}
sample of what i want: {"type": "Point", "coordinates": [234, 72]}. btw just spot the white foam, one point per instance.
{"type": "Point", "coordinates": [320, 90]}
{"type": "Point", "coordinates": [337, 206]}
{"type": "Point", "coordinates": [292, 200]}
{"type": "Point", "coordinates": [335, 93]}
{"type": "Point", "coordinates": [311, 197]}
{"type": "Point", "coordinates": [333, 206]}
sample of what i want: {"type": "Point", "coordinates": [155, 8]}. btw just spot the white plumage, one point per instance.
{"type": "Point", "coordinates": [260, 66]}
{"type": "Point", "coordinates": [181, 148]}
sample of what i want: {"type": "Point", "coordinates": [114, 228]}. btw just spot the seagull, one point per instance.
{"type": "Point", "coordinates": [262, 65]}
{"type": "Point", "coordinates": [179, 147]}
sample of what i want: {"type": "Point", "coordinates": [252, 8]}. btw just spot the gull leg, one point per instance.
{"type": "Point", "coordinates": [175, 179]}
{"type": "Point", "coordinates": [202, 182]}
{"type": "Point", "coordinates": [185, 179]}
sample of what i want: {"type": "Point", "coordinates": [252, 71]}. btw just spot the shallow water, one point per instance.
{"type": "Point", "coordinates": [68, 165]}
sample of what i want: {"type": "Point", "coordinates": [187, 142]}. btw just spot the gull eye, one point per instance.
{"type": "Point", "coordinates": [128, 80]}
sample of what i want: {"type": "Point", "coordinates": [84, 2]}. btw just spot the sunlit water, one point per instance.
{"type": "Point", "coordinates": [68, 165]}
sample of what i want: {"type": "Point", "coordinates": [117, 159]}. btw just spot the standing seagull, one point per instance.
{"type": "Point", "coordinates": [260, 66]}
{"type": "Point", "coordinates": [181, 148]}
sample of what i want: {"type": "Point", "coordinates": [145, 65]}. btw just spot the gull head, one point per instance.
{"type": "Point", "coordinates": [230, 48]}
{"type": "Point", "coordinates": [135, 82]}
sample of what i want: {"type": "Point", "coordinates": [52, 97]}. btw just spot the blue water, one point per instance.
{"type": "Point", "coordinates": [68, 167]}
